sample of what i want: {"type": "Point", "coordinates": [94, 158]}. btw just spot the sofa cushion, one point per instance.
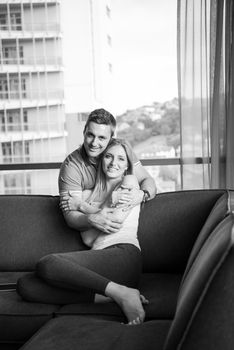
{"type": "Point", "coordinates": [20, 320]}
{"type": "Point", "coordinates": [34, 228]}
{"type": "Point", "coordinates": [209, 280]}
{"type": "Point", "coordinates": [169, 225]}
{"type": "Point", "coordinates": [8, 280]}
{"type": "Point", "coordinates": [160, 289]}
{"type": "Point", "coordinates": [34, 289]}
{"type": "Point", "coordinates": [78, 333]}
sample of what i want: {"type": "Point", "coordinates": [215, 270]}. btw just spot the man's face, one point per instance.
{"type": "Point", "coordinates": [96, 138]}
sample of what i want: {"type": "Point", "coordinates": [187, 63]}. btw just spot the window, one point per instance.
{"type": "Point", "coordinates": [3, 21]}
{"type": "Point", "coordinates": [12, 120]}
{"type": "Point", "coordinates": [2, 122]}
{"type": "Point", "coordinates": [6, 152]}
{"type": "Point", "coordinates": [17, 183]}
{"type": "Point", "coordinates": [15, 20]}
{"type": "Point", "coordinates": [15, 152]}
{"type": "Point", "coordinates": [3, 88]}
{"type": "Point", "coordinates": [10, 55]}
{"type": "Point", "coordinates": [124, 61]}
{"type": "Point", "coordinates": [17, 87]}
{"type": "Point", "coordinates": [145, 80]}
{"type": "Point", "coordinates": [25, 115]}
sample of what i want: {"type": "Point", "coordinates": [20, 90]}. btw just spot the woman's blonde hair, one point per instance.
{"type": "Point", "coordinates": [100, 184]}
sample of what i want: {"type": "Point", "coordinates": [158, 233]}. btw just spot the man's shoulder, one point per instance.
{"type": "Point", "coordinates": [75, 158]}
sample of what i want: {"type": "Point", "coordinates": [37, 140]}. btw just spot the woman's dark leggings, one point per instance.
{"type": "Point", "coordinates": [92, 269]}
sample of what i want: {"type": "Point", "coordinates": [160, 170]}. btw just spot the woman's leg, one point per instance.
{"type": "Point", "coordinates": [112, 272]}
{"type": "Point", "coordinates": [92, 269]}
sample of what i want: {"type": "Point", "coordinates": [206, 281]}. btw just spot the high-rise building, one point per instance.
{"type": "Point", "coordinates": [31, 90]}
{"type": "Point", "coordinates": [55, 60]}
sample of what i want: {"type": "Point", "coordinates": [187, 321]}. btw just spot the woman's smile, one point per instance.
{"type": "Point", "coordinates": [115, 162]}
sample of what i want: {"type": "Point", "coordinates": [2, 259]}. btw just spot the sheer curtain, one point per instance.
{"type": "Point", "coordinates": [205, 80]}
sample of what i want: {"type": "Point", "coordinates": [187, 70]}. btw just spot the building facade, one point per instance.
{"type": "Point", "coordinates": [32, 114]}
{"type": "Point", "coordinates": [55, 61]}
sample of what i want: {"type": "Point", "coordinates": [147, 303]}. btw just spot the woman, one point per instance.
{"type": "Point", "coordinates": [82, 201]}
{"type": "Point", "coordinates": [112, 267]}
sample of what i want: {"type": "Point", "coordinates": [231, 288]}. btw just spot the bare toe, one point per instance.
{"type": "Point", "coordinates": [144, 300]}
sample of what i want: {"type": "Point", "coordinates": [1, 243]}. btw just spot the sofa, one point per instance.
{"type": "Point", "coordinates": [186, 239]}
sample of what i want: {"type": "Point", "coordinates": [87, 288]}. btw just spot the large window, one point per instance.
{"type": "Point", "coordinates": [146, 83]}
{"type": "Point", "coordinates": [117, 54]}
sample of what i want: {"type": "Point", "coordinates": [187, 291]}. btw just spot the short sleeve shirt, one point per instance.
{"type": "Point", "coordinates": [77, 173]}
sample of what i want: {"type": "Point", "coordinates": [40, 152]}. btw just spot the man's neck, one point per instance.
{"type": "Point", "coordinates": [93, 160]}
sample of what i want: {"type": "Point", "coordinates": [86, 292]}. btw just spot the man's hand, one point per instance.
{"type": "Point", "coordinates": [70, 201]}
{"type": "Point", "coordinates": [127, 199]}
{"type": "Point", "coordinates": [105, 221]}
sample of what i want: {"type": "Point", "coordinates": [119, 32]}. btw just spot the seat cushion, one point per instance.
{"type": "Point", "coordinates": [80, 332]}
{"type": "Point", "coordinates": [20, 320]}
{"type": "Point", "coordinates": [160, 289]}
{"type": "Point", "coordinates": [34, 289]}
{"type": "Point", "coordinates": [8, 279]}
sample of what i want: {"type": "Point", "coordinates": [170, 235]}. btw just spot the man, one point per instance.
{"type": "Point", "coordinates": [78, 173]}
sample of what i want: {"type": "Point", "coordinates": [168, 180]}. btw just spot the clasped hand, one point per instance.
{"type": "Point", "coordinates": [126, 198]}
{"type": "Point", "coordinates": [105, 220]}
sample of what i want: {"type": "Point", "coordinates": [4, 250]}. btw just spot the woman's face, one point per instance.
{"type": "Point", "coordinates": [115, 162]}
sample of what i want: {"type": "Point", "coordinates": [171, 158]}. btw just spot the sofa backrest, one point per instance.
{"type": "Point", "coordinates": [32, 226]}
{"type": "Point", "coordinates": [169, 226]}
{"type": "Point", "coordinates": [205, 309]}
{"type": "Point", "coordinates": [223, 207]}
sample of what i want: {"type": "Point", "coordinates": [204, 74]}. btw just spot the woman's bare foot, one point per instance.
{"type": "Point", "coordinates": [99, 298]}
{"type": "Point", "coordinates": [130, 300]}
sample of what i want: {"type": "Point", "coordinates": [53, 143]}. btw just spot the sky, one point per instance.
{"type": "Point", "coordinates": [144, 51]}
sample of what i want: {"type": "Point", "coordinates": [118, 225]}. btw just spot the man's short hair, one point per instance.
{"type": "Point", "coordinates": [101, 116]}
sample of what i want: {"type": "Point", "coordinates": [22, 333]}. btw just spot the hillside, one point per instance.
{"type": "Point", "coordinates": [153, 130]}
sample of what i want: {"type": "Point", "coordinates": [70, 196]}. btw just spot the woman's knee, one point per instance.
{"type": "Point", "coordinates": [47, 265]}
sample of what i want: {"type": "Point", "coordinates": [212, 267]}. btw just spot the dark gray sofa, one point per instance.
{"type": "Point", "coordinates": [187, 246]}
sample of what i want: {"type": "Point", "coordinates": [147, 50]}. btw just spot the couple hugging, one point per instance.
{"type": "Point", "coordinates": [102, 185]}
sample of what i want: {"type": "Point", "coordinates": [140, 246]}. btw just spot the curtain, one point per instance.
{"type": "Point", "coordinates": [205, 82]}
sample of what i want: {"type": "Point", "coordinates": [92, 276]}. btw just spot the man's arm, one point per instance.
{"type": "Point", "coordinates": [70, 176]}
{"type": "Point", "coordinates": [104, 220]}
{"type": "Point", "coordinates": [136, 196]}
{"type": "Point", "coordinates": [146, 181]}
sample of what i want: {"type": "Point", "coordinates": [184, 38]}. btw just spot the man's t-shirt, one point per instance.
{"type": "Point", "coordinates": [77, 173]}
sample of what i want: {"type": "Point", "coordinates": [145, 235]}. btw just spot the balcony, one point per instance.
{"type": "Point", "coordinates": [31, 30]}
{"type": "Point", "coordinates": [19, 2]}
{"type": "Point", "coordinates": [27, 99]}
{"type": "Point", "coordinates": [32, 63]}
{"type": "Point", "coordinates": [32, 131]}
